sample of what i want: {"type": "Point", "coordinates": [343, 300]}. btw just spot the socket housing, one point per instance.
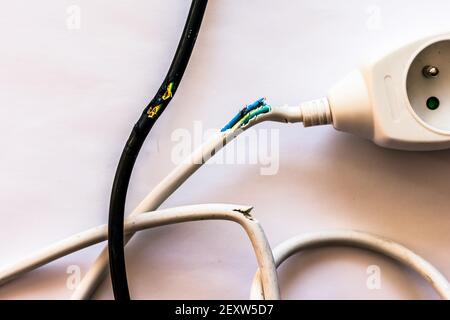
{"type": "Point", "coordinates": [389, 101]}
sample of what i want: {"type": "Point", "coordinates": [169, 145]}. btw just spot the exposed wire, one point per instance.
{"type": "Point", "coordinates": [251, 115]}
{"type": "Point", "coordinates": [265, 283]}
{"type": "Point", "coordinates": [241, 114]}
{"type": "Point", "coordinates": [177, 177]}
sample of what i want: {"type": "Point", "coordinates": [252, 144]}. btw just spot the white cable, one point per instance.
{"type": "Point", "coordinates": [351, 238]}
{"type": "Point", "coordinates": [173, 180]}
{"type": "Point", "coordinates": [265, 281]}
{"type": "Point", "coordinates": [235, 213]}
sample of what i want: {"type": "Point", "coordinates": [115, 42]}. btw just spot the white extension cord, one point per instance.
{"type": "Point", "coordinates": [400, 101]}
{"type": "Point", "coordinates": [147, 220]}
{"type": "Point", "coordinates": [265, 283]}
{"type": "Point", "coordinates": [174, 179]}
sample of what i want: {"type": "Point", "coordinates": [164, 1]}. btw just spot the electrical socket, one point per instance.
{"type": "Point", "coordinates": [401, 101]}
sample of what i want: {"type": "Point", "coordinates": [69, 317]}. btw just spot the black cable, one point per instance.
{"type": "Point", "coordinates": [137, 137]}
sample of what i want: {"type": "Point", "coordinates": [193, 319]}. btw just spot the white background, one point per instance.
{"type": "Point", "coordinates": [69, 98]}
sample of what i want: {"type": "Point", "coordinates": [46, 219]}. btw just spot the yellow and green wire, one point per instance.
{"type": "Point", "coordinates": [246, 114]}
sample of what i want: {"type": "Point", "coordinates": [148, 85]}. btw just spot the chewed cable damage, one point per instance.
{"type": "Point", "coordinates": [246, 114]}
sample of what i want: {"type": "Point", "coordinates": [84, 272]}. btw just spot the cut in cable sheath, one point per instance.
{"type": "Point", "coordinates": [180, 174]}
{"type": "Point", "coordinates": [173, 180]}
{"type": "Point", "coordinates": [230, 212]}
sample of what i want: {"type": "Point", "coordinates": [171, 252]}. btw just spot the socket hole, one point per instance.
{"type": "Point", "coordinates": [433, 103]}
{"type": "Point", "coordinates": [430, 71]}
{"type": "Point", "coordinates": [428, 83]}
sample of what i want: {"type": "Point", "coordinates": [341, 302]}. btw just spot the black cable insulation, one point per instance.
{"type": "Point", "coordinates": [137, 137]}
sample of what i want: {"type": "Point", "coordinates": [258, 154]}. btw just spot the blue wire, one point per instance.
{"type": "Point", "coordinates": [258, 103]}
